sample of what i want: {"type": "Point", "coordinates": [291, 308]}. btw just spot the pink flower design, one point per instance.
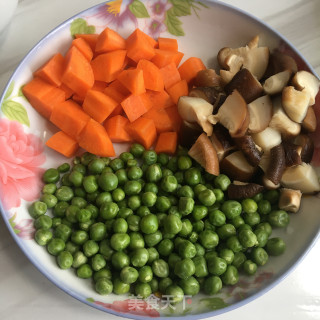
{"type": "Point", "coordinates": [157, 9]}
{"type": "Point", "coordinates": [24, 228]}
{"type": "Point", "coordinates": [128, 306]}
{"type": "Point", "coordinates": [21, 155]}
{"type": "Point", "coordinates": [154, 27]}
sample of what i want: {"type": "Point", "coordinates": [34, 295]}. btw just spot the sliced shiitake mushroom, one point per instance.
{"type": "Point", "coordinates": [309, 122]}
{"type": "Point", "coordinates": [222, 141]}
{"type": "Point", "coordinates": [277, 165]}
{"type": "Point", "coordinates": [250, 150]}
{"type": "Point", "coordinates": [194, 109]}
{"type": "Point", "coordinates": [292, 153]}
{"type": "Point", "coordinates": [307, 146]}
{"type": "Point", "coordinates": [208, 78]}
{"type": "Point", "coordinates": [260, 113]}
{"type": "Point", "coordinates": [289, 200]}
{"type": "Point", "coordinates": [267, 139]}
{"type": "Point", "coordinates": [278, 62]}
{"type": "Point", "coordinates": [242, 190]}
{"type": "Point", "coordinates": [233, 115]}
{"type": "Point", "coordinates": [209, 94]}
{"type": "Point", "coordinates": [189, 133]}
{"type": "Point", "coordinates": [302, 177]}
{"type": "Point", "coordinates": [236, 166]}
{"type": "Point", "coordinates": [205, 154]}
{"type": "Point", "coordinates": [268, 184]}
{"type": "Point", "coordinates": [276, 82]}
{"type": "Point", "coordinates": [246, 84]}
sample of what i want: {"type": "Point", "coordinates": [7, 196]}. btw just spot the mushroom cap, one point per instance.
{"type": "Point", "coordinates": [240, 190]}
{"type": "Point", "coordinates": [279, 61]}
{"type": "Point", "coordinates": [208, 78]}
{"type": "Point", "coordinates": [309, 122]}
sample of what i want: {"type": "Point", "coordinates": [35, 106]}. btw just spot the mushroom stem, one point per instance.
{"type": "Point", "coordinates": [277, 165]}
{"type": "Point", "coordinates": [290, 199]}
{"type": "Point", "coordinates": [240, 190]}
{"type": "Point", "coordinates": [249, 149]}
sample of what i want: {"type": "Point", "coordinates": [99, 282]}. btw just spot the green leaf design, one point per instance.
{"type": "Point", "coordinates": [214, 303]}
{"type": "Point", "coordinates": [139, 9]}
{"type": "Point", "coordinates": [15, 111]}
{"type": "Point", "coordinates": [80, 25]}
{"type": "Point", "coordinates": [181, 8]}
{"type": "Point", "coordinates": [173, 23]}
{"type": "Point", "coordinates": [20, 93]}
{"type": "Point", "coordinates": [9, 91]}
{"type": "Point", "coordinates": [90, 300]}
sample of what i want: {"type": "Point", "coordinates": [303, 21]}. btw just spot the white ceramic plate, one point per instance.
{"type": "Point", "coordinates": [202, 28]}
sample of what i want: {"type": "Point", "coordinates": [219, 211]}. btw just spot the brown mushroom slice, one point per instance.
{"type": "Point", "coordinates": [307, 146]}
{"type": "Point", "coordinates": [281, 122]}
{"type": "Point", "coordinates": [236, 166]}
{"type": "Point", "coordinates": [268, 184]}
{"type": "Point", "coordinates": [250, 150]}
{"type": "Point", "coordinates": [302, 177]}
{"type": "Point", "coordinates": [277, 164]}
{"type": "Point", "coordinates": [306, 81]}
{"type": "Point", "coordinates": [264, 162]}
{"type": "Point", "coordinates": [309, 122]}
{"type": "Point", "coordinates": [209, 94]}
{"type": "Point", "coordinates": [246, 84]}
{"type": "Point", "coordinates": [234, 64]}
{"type": "Point", "coordinates": [222, 57]}
{"type": "Point", "coordinates": [295, 103]}
{"type": "Point", "coordinates": [290, 200]}
{"type": "Point", "coordinates": [205, 154]}
{"type": "Point", "coordinates": [233, 115]}
{"type": "Point", "coordinates": [267, 139]}
{"type": "Point", "coordinates": [242, 190]}
{"type": "Point", "coordinates": [260, 113]}
{"type": "Point", "coordinates": [208, 78]}
{"type": "Point", "coordinates": [254, 42]}
{"type": "Point", "coordinates": [276, 82]}
{"type": "Point", "coordinates": [222, 141]}
{"type": "Point", "coordinates": [278, 62]}
{"type": "Point", "coordinates": [194, 109]}
{"type": "Point", "coordinates": [292, 153]}
{"type": "Point", "coordinates": [189, 133]}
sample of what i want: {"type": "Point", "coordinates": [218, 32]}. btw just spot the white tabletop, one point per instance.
{"type": "Point", "coordinates": [26, 294]}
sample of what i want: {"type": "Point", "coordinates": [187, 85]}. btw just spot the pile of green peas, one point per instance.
{"type": "Point", "coordinates": [148, 223]}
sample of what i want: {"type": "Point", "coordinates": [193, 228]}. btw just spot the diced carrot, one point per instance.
{"type": "Point", "coordinates": [52, 70]}
{"type": "Point", "coordinates": [133, 80]}
{"type": "Point", "coordinates": [143, 131]}
{"type": "Point", "coordinates": [177, 90]}
{"type": "Point", "coordinates": [69, 117]}
{"type": "Point", "coordinates": [117, 111]}
{"type": "Point", "coordinates": [99, 86]}
{"type": "Point", "coordinates": [160, 119]}
{"type": "Point", "coordinates": [159, 99]}
{"type": "Point", "coordinates": [135, 106]}
{"type": "Point", "coordinates": [164, 57]}
{"type": "Point", "coordinates": [114, 94]}
{"type": "Point", "coordinates": [175, 117]}
{"type": "Point", "coordinates": [68, 92]}
{"type": "Point", "coordinates": [168, 44]}
{"type": "Point", "coordinates": [140, 46]}
{"type": "Point", "coordinates": [78, 74]}
{"type": "Point", "coordinates": [90, 38]}
{"type": "Point", "coordinates": [151, 74]}
{"type": "Point", "coordinates": [178, 57]}
{"type": "Point", "coordinates": [109, 40]}
{"type": "Point", "coordinates": [76, 98]}
{"type": "Point", "coordinates": [43, 96]}
{"type": "Point", "coordinates": [115, 127]}
{"type": "Point", "coordinates": [63, 144]}
{"type": "Point", "coordinates": [170, 75]}
{"type": "Point", "coordinates": [98, 105]}
{"type": "Point", "coordinates": [83, 47]}
{"type": "Point", "coordinates": [107, 66]}
{"type": "Point", "coordinates": [117, 85]}
{"type": "Point", "coordinates": [189, 68]}
{"type": "Point", "coordinates": [94, 138]}
{"type": "Point", "coordinates": [167, 143]}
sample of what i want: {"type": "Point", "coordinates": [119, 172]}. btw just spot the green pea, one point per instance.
{"type": "Point", "coordinates": [108, 181]}
{"type": "Point", "coordinates": [187, 249]}
{"type": "Point", "coordinates": [186, 205]}
{"type": "Point", "coordinates": [37, 209]}
{"type": "Point", "coordinates": [231, 208]}
{"type": "Point", "coordinates": [139, 257]}
{"type": "Point", "coordinates": [150, 187]}
{"type": "Point", "coordinates": [164, 283]}
{"type": "Point", "coordinates": [122, 176]}
{"type": "Point", "coordinates": [133, 222]}
{"type": "Point", "coordinates": [43, 236]}
{"type": "Point", "coordinates": [104, 286]}
{"type": "Point", "coordinates": [71, 247]}
{"type": "Point", "coordinates": [132, 187]}
{"type": "Point", "coordinates": [90, 184]}
{"type": "Point", "coordinates": [97, 231]}
{"type": "Point", "coordinates": [198, 226]}
{"type": "Point", "coordinates": [142, 290]}
{"type": "Point", "coordinates": [149, 198]}
{"type": "Point", "coordinates": [152, 239]}
{"type": "Point", "coordinates": [275, 246]}
{"type": "Point", "coordinates": [175, 292]}
{"type": "Point", "coordinates": [218, 194]}
{"type": "Point", "coordinates": [120, 225]}
{"type": "Point", "coordinates": [160, 268]}
{"type": "Point", "coordinates": [86, 157]}
{"type": "Point", "coordinates": [55, 246]}
{"type": "Point", "coordinates": [266, 227]}
{"type": "Point", "coordinates": [163, 203]}
{"type": "Point", "coordinates": [79, 259]}
{"type": "Point", "coordinates": [234, 244]}
{"type": "Point", "coordinates": [55, 222]}
{"type": "Point", "coordinates": [272, 196]}
{"type": "Point", "coordinates": [154, 284]}
{"type": "Point", "coordinates": [71, 213]}
{"type": "Point", "coordinates": [227, 255]}
{"type": "Point", "coordinates": [65, 167]}
{"type": "Point", "coordinates": [247, 238]}
{"type": "Point", "coordinates": [231, 276]}
{"type": "Point", "coordinates": [51, 176]}
{"type": "Point", "coordinates": [109, 210]}
{"type": "Point", "coordinates": [259, 256]}
{"type": "Point", "coordinates": [129, 275]}
{"type": "Point", "coordinates": [145, 274]}
{"type": "Point", "coordinates": [226, 231]}
{"type": "Point", "coordinates": [49, 188]}
{"type": "Point", "coordinates": [137, 150]}
{"type": "Point", "coordinates": [60, 209]}
{"type": "Point", "coordinates": [153, 173]}
{"type": "Point", "coordinates": [105, 249]}
{"type": "Point", "coordinates": [120, 260]}
{"type": "Point", "coordinates": [217, 217]}
{"type": "Point", "coordinates": [65, 180]}
{"type": "Point", "coordinates": [90, 248]}
{"type": "Point", "coordinates": [239, 259]}
{"type": "Point", "coordinates": [184, 162]}
{"type": "Point", "coordinates": [262, 237]}
{"type": "Point", "coordinates": [84, 271]}
{"type": "Point", "coordinates": [64, 193]}
{"type": "Point", "coordinates": [249, 267]}
{"type": "Point", "coordinates": [217, 266]}
{"type": "Point", "coordinates": [249, 205]}
{"type": "Point", "coordinates": [76, 178]}
{"type": "Point", "coordinates": [165, 247]}
{"type": "Point", "coordinates": [180, 177]}
{"type": "Point", "coordinates": [65, 260]}
{"type": "Point", "coordinates": [83, 215]}
{"type": "Point", "coordinates": [199, 212]}
{"type": "Point", "coordinates": [149, 157]}
{"type": "Point", "coordinates": [186, 228]}
{"type": "Point", "coordinates": [102, 273]}
{"type": "Point", "coordinates": [169, 183]}
{"type": "Point", "coordinates": [212, 285]}
{"type": "Point", "coordinates": [43, 222]}
{"type": "Point", "coordinates": [149, 224]}
{"type": "Point", "coordinates": [222, 182]}
{"type": "Point", "coordinates": [252, 219]}
{"type": "Point", "coordinates": [153, 255]}
{"type": "Point", "coordinates": [124, 212]}
{"type": "Point", "coordinates": [190, 286]}
{"type": "Point", "coordinates": [184, 268]}
{"type": "Point", "coordinates": [119, 241]}
{"type": "Point", "coordinates": [192, 176]}
{"type": "Point", "coordinates": [264, 207]}
{"type": "Point", "coordinates": [278, 218]}
{"type": "Point", "coordinates": [201, 268]}
{"type": "Point", "coordinates": [208, 239]}
{"type": "Point", "coordinates": [172, 224]}
{"type": "Point", "coordinates": [185, 191]}
{"type": "Point", "coordinates": [79, 237]}
{"type": "Point", "coordinates": [237, 221]}
{"type": "Point", "coordinates": [63, 232]}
